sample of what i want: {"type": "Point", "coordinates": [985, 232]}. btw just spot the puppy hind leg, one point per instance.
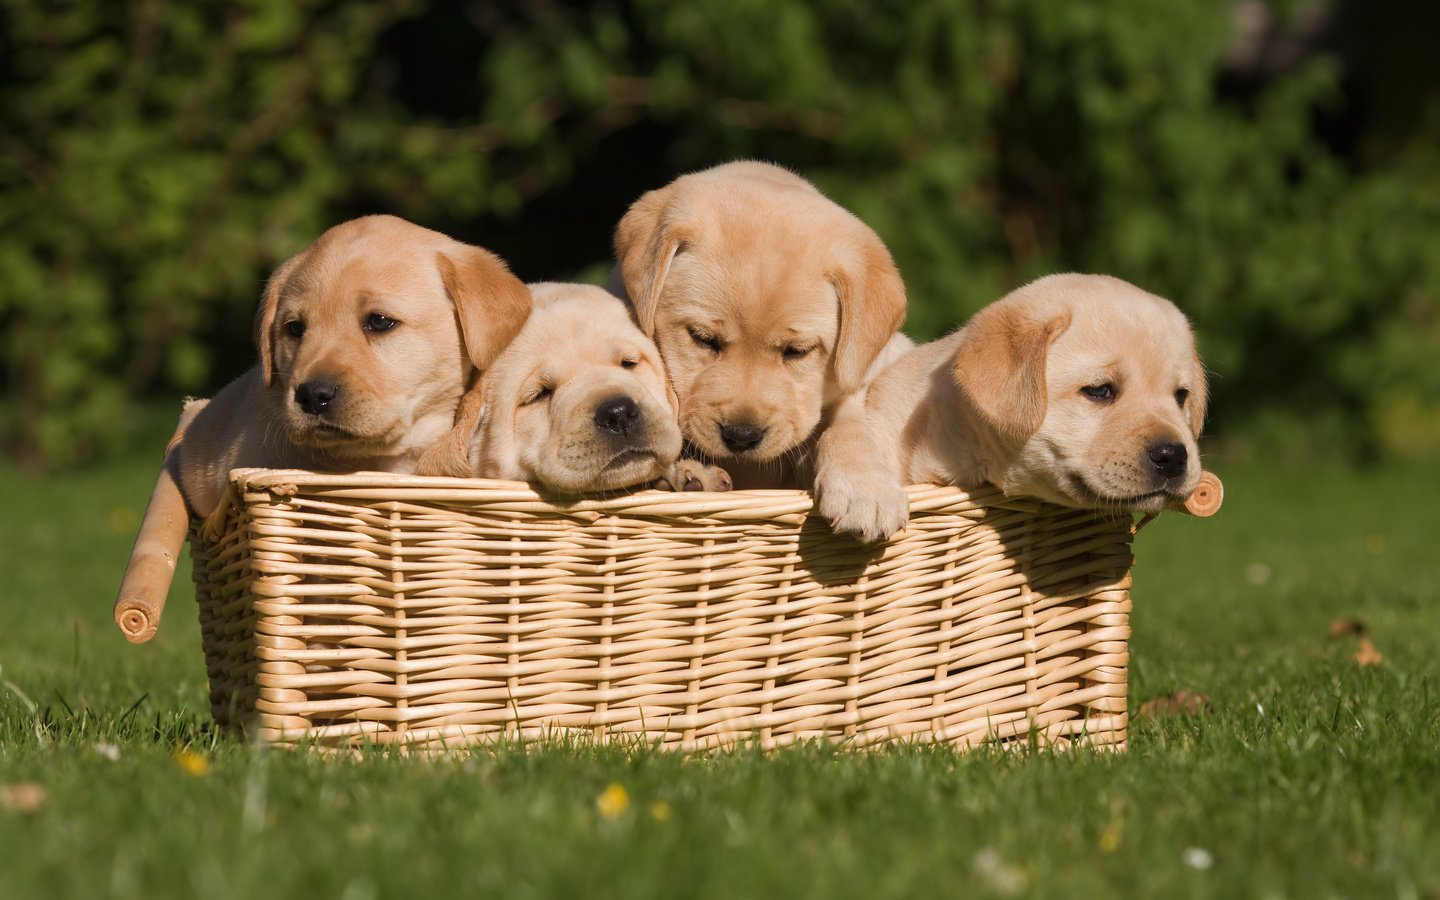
{"type": "Point", "coordinates": [146, 583]}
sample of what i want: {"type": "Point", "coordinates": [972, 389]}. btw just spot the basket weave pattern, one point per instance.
{"type": "Point", "coordinates": [433, 613]}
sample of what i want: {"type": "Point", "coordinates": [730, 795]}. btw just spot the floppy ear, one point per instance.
{"type": "Point", "coordinates": [265, 315]}
{"type": "Point", "coordinates": [645, 246]}
{"type": "Point", "coordinates": [450, 456]}
{"type": "Point", "coordinates": [872, 306]}
{"type": "Point", "coordinates": [491, 304]}
{"type": "Point", "coordinates": [671, 397]}
{"type": "Point", "coordinates": [1000, 367]}
{"type": "Point", "coordinates": [1198, 401]}
{"type": "Point", "coordinates": [496, 454]}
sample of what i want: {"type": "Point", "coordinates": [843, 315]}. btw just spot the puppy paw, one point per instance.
{"type": "Point", "coordinates": [865, 505]}
{"type": "Point", "coordinates": [694, 475]}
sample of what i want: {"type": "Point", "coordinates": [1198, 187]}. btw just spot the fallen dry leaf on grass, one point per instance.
{"type": "Point", "coordinates": [1367, 655]}
{"type": "Point", "coordinates": [1346, 626]}
{"type": "Point", "coordinates": [22, 796]}
{"type": "Point", "coordinates": [1181, 703]}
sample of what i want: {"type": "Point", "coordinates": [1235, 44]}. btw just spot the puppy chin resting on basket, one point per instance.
{"type": "Point", "coordinates": [577, 403]}
{"type": "Point", "coordinates": [1082, 390]}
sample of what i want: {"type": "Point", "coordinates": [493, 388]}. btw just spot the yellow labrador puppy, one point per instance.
{"type": "Point", "coordinates": [770, 304]}
{"type": "Point", "coordinates": [578, 401]}
{"type": "Point", "coordinates": [1079, 389]}
{"type": "Point", "coordinates": [368, 339]}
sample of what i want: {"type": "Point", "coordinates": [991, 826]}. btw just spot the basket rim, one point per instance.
{"type": "Point", "coordinates": [747, 503]}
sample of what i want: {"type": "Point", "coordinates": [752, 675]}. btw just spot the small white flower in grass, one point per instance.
{"type": "Point", "coordinates": [1197, 858]}
{"type": "Point", "coordinates": [999, 875]}
{"type": "Point", "coordinates": [1257, 574]}
{"type": "Point", "coordinates": [109, 751]}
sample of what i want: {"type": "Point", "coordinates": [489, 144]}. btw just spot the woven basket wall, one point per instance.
{"type": "Point", "coordinates": [435, 613]}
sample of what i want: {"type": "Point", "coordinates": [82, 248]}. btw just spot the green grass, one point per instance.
{"type": "Point", "coordinates": [1312, 777]}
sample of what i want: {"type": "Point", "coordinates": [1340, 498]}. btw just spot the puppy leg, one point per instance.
{"type": "Point", "coordinates": [694, 475]}
{"type": "Point", "coordinates": [858, 486]}
{"type": "Point", "coordinates": [146, 583]}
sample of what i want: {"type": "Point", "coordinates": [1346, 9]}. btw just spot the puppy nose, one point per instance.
{"type": "Point", "coordinates": [741, 436]}
{"type": "Point", "coordinates": [314, 396]}
{"type": "Point", "coordinates": [617, 415]}
{"type": "Point", "coordinates": [1169, 458]}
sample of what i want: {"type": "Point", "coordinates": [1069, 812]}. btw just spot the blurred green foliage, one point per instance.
{"type": "Point", "coordinates": [158, 159]}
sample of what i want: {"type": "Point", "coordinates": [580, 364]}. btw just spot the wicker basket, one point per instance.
{"type": "Point", "coordinates": [434, 613]}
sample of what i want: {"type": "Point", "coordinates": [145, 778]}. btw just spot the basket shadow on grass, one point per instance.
{"type": "Point", "coordinates": [398, 614]}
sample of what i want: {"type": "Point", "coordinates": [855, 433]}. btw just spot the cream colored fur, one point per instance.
{"type": "Point", "coordinates": [550, 401]}
{"type": "Point", "coordinates": [1004, 401]}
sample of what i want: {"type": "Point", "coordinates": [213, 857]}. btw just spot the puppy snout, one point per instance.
{"type": "Point", "coordinates": [741, 436]}
{"type": "Point", "coordinates": [1169, 458]}
{"type": "Point", "coordinates": [618, 415]}
{"type": "Point", "coordinates": [316, 395]}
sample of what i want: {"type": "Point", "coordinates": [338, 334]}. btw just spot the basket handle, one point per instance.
{"type": "Point", "coordinates": [147, 579]}
{"type": "Point", "coordinates": [1205, 500]}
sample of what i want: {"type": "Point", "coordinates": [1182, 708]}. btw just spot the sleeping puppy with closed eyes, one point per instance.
{"type": "Point", "coordinates": [577, 403]}
{"type": "Point", "coordinates": [1082, 390]}
{"type": "Point", "coordinates": [770, 304]}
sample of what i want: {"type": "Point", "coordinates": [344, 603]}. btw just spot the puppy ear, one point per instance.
{"type": "Point", "coordinates": [872, 306]}
{"type": "Point", "coordinates": [671, 396]}
{"type": "Point", "coordinates": [450, 456]}
{"type": "Point", "coordinates": [1000, 367]}
{"type": "Point", "coordinates": [645, 246]}
{"type": "Point", "coordinates": [491, 304]}
{"type": "Point", "coordinates": [496, 454]}
{"type": "Point", "coordinates": [1198, 402]}
{"type": "Point", "coordinates": [265, 315]}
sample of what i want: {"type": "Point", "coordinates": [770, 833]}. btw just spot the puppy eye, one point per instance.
{"type": "Point", "coordinates": [795, 352]}
{"type": "Point", "coordinates": [629, 363]}
{"type": "Point", "coordinates": [1181, 396]}
{"type": "Point", "coordinates": [379, 322]}
{"type": "Point", "coordinates": [542, 394]}
{"type": "Point", "coordinates": [705, 339]}
{"type": "Point", "coordinates": [295, 329]}
{"type": "Point", "coordinates": [1100, 393]}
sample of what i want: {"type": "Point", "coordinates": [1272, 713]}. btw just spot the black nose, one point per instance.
{"type": "Point", "coordinates": [617, 415]}
{"type": "Point", "coordinates": [314, 396]}
{"type": "Point", "coordinates": [741, 436]}
{"type": "Point", "coordinates": [1169, 458]}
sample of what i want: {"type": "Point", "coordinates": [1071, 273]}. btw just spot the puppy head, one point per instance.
{"type": "Point", "coordinates": [1086, 391]}
{"type": "Point", "coordinates": [768, 303]}
{"type": "Point", "coordinates": [578, 401]}
{"type": "Point", "coordinates": [368, 337]}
